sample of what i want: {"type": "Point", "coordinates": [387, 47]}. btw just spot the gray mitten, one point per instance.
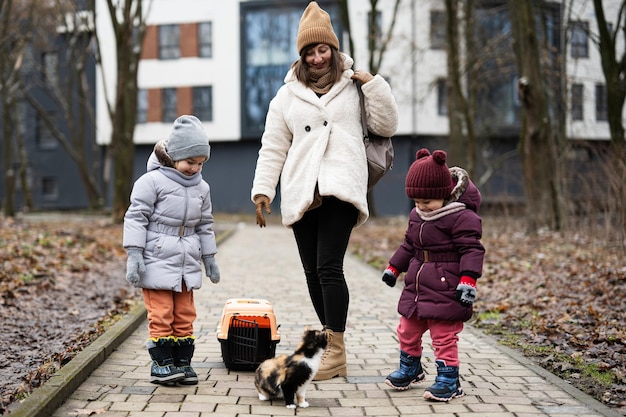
{"type": "Point", "coordinates": [212, 270]}
{"type": "Point", "coordinates": [135, 267]}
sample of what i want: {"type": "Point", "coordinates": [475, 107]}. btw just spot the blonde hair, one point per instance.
{"type": "Point", "coordinates": [301, 69]}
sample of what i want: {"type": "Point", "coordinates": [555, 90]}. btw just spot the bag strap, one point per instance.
{"type": "Point", "coordinates": [363, 117]}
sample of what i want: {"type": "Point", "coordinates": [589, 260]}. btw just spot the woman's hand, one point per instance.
{"type": "Point", "coordinates": [362, 76]}
{"type": "Point", "coordinates": [261, 202]}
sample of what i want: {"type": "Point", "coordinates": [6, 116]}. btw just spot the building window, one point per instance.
{"type": "Point", "coordinates": [45, 138]}
{"type": "Point", "coordinates": [203, 103]}
{"type": "Point", "coordinates": [169, 42]}
{"type": "Point", "coordinates": [22, 118]}
{"type": "Point", "coordinates": [142, 106]}
{"type": "Point", "coordinates": [437, 29]}
{"type": "Point", "coordinates": [49, 188]}
{"type": "Point", "coordinates": [579, 39]}
{"type": "Point", "coordinates": [577, 102]}
{"type": "Point", "coordinates": [269, 48]}
{"type": "Point", "coordinates": [374, 33]}
{"type": "Point", "coordinates": [205, 39]}
{"type": "Point", "coordinates": [601, 106]}
{"type": "Point", "coordinates": [50, 66]}
{"type": "Point", "coordinates": [442, 97]}
{"type": "Point", "coordinates": [169, 105]}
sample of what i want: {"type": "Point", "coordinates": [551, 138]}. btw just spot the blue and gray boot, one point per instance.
{"type": "Point", "coordinates": [410, 371]}
{"type": "Point", "coordinates": [447, 385]}
{"type": "Point", "coordinates": [182, 352]}
{"type": "Point", "coordinates": [163, 371]}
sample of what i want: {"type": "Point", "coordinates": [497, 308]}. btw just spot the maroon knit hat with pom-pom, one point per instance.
{"type": "Point", "coordinates": [429, 176]}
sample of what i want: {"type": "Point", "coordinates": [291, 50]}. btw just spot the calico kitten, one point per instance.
{"type": "Point", "coordinates": [288, 376]}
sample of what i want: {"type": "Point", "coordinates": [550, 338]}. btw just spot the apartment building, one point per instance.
{"type": "Point", "coordinates": [224, 61]}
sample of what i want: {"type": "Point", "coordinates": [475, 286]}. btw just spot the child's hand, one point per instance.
{"type": "Point", "coordinates": [212, 270]}
{"type": "Point", "coordinates": [390, 275]}
{"type": "Point", "coordinates": [135, 266]}
{"type": "Point", "coordinates": [466, 291]}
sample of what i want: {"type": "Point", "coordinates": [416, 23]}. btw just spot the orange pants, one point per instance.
{"type": "Point", "coordinates": [170, 313]}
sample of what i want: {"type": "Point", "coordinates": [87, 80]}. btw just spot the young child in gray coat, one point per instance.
{"type": "Point", "coordinates": [168, 235]}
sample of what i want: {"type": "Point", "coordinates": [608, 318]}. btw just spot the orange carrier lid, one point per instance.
{"type": "Point", "coordinates": [250, 309]}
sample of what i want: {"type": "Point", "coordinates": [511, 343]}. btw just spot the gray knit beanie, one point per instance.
{"type": "Point", "coordinates": [188, 139]}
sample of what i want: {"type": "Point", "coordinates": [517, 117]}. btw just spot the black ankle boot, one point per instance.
{"type": "Point", "coordinates": [163, 371]}
{"type": "Point", "coordinates": [182, 352]}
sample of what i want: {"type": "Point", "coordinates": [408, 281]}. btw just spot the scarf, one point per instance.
{"type": "Point", "coordinates": [181, 178]}
{"type": "Point", "coordinates": [320, 80]}
{"type": "Point", "coordinates": [439, 213]}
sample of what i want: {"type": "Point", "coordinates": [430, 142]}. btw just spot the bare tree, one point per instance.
{"type": "Point", "coordinates": [68, 92]}
{"type": "Point", "coordinates": [614, 69]}
{"type": "Point", "coordinates": [377, 41]}
{"type": "Point", "coordinates": [129, 26]}
{"type": "Point", "coordinates": [15, 18]}
{"type": "Point", "coordinates": [537, 141]}
{"type": "Point", "coordinates": [461, 84]}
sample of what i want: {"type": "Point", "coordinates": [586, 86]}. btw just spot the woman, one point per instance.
{"type": "Point", "coordinates": [313, 143]}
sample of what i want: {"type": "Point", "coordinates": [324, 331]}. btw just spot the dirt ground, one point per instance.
{"type": "Point", "coordinates": [562, 296]}
{"type": "Point", "coordinates": [60, 288]}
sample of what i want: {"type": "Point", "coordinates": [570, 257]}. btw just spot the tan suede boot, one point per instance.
{"type": "Point", "coordinates": [334, 358]}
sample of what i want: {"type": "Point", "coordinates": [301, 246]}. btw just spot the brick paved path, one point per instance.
{"type": "Point", "coordinates": [263, 263]}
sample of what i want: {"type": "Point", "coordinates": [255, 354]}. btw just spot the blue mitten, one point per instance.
{"type": "Point", "coordinates": [466, 291]}
{"type": "Point", "coordinates": [212, 270]}
{"type": "Point", "coordinates": [135, 266]}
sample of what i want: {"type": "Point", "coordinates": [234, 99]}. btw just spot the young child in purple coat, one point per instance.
{"type": "Point", "coordinates": [442, 256]}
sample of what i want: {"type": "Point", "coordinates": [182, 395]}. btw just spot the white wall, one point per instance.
{"type": "Point", "coordinates": [410, 65]}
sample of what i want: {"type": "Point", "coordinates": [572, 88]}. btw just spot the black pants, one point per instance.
{"type": "Point", "coordinates": [322, 236]}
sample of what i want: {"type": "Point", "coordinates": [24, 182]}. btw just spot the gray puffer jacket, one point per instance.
{"type": "Point", "coordinates": [170, 218]}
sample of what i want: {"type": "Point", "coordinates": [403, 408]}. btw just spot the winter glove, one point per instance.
{"type": "Point", "coordinates": [261, 202]}
{"type": "Point", "coordinates": [135, 266]}
{"type": "Point", "coordinates": [362, 76]}
{"type": "Point", "coordinates": [212, 270]}
{"type": "Point", "coordinates": [390, 275]}
{"type": "Point", "coordinates": [466, 291]}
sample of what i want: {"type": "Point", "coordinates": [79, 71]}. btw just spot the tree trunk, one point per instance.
{"type": "Point", "coordinates": [461, 86]}
{"type": "Point", "coordinates": [614, 70]}
{"type": "Point", "coordinates": [457, 146]}
{"type": "Point", "coordinates": [537, 147]}
{"type": "Point", "coordinates": [129, 34]}
{"type": "Point", "coordinates": [7, 157]}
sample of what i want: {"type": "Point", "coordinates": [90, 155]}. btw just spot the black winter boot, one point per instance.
{"type": "Point", "coordinates": [182, 353]}
{"type": "Point", "coordinates": [410, 371]}
{"type": "Point", "coordinates": [447, 385]}
{"type": "Point", "coordinates": [163, 370]}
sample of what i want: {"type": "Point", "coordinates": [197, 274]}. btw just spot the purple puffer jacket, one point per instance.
{"type": "Point", "coordinates": [436, 252]}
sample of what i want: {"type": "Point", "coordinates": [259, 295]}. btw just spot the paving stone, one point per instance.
{"type": "Point", "coordinates": [264, 263]}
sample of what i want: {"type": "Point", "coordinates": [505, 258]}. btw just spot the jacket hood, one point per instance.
{"type": "Point", "coordinates": [464, 190]}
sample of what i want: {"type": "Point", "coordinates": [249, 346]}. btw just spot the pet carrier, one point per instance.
{"type": "Point", "coordinates": [248, 333]}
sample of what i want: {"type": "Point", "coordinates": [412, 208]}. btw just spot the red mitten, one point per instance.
{"type": "Point", "coordinates": [390, 275]}
{"type": "Point", "coordinates": [466, 291]}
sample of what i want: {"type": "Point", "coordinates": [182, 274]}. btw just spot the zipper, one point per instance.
{"type": "Point", "coordinates": [417, 275]}
{"type": "Point", "coordinates": [184, 251]}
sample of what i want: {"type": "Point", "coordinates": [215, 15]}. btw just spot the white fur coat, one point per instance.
{"type": "Point", "coordinates": [311, 140]}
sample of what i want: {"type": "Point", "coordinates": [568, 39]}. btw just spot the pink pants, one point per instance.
{"type": "Point", "coordinates": [170, 313]}
{"type": "Point", "coordinates": [444, 335]}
